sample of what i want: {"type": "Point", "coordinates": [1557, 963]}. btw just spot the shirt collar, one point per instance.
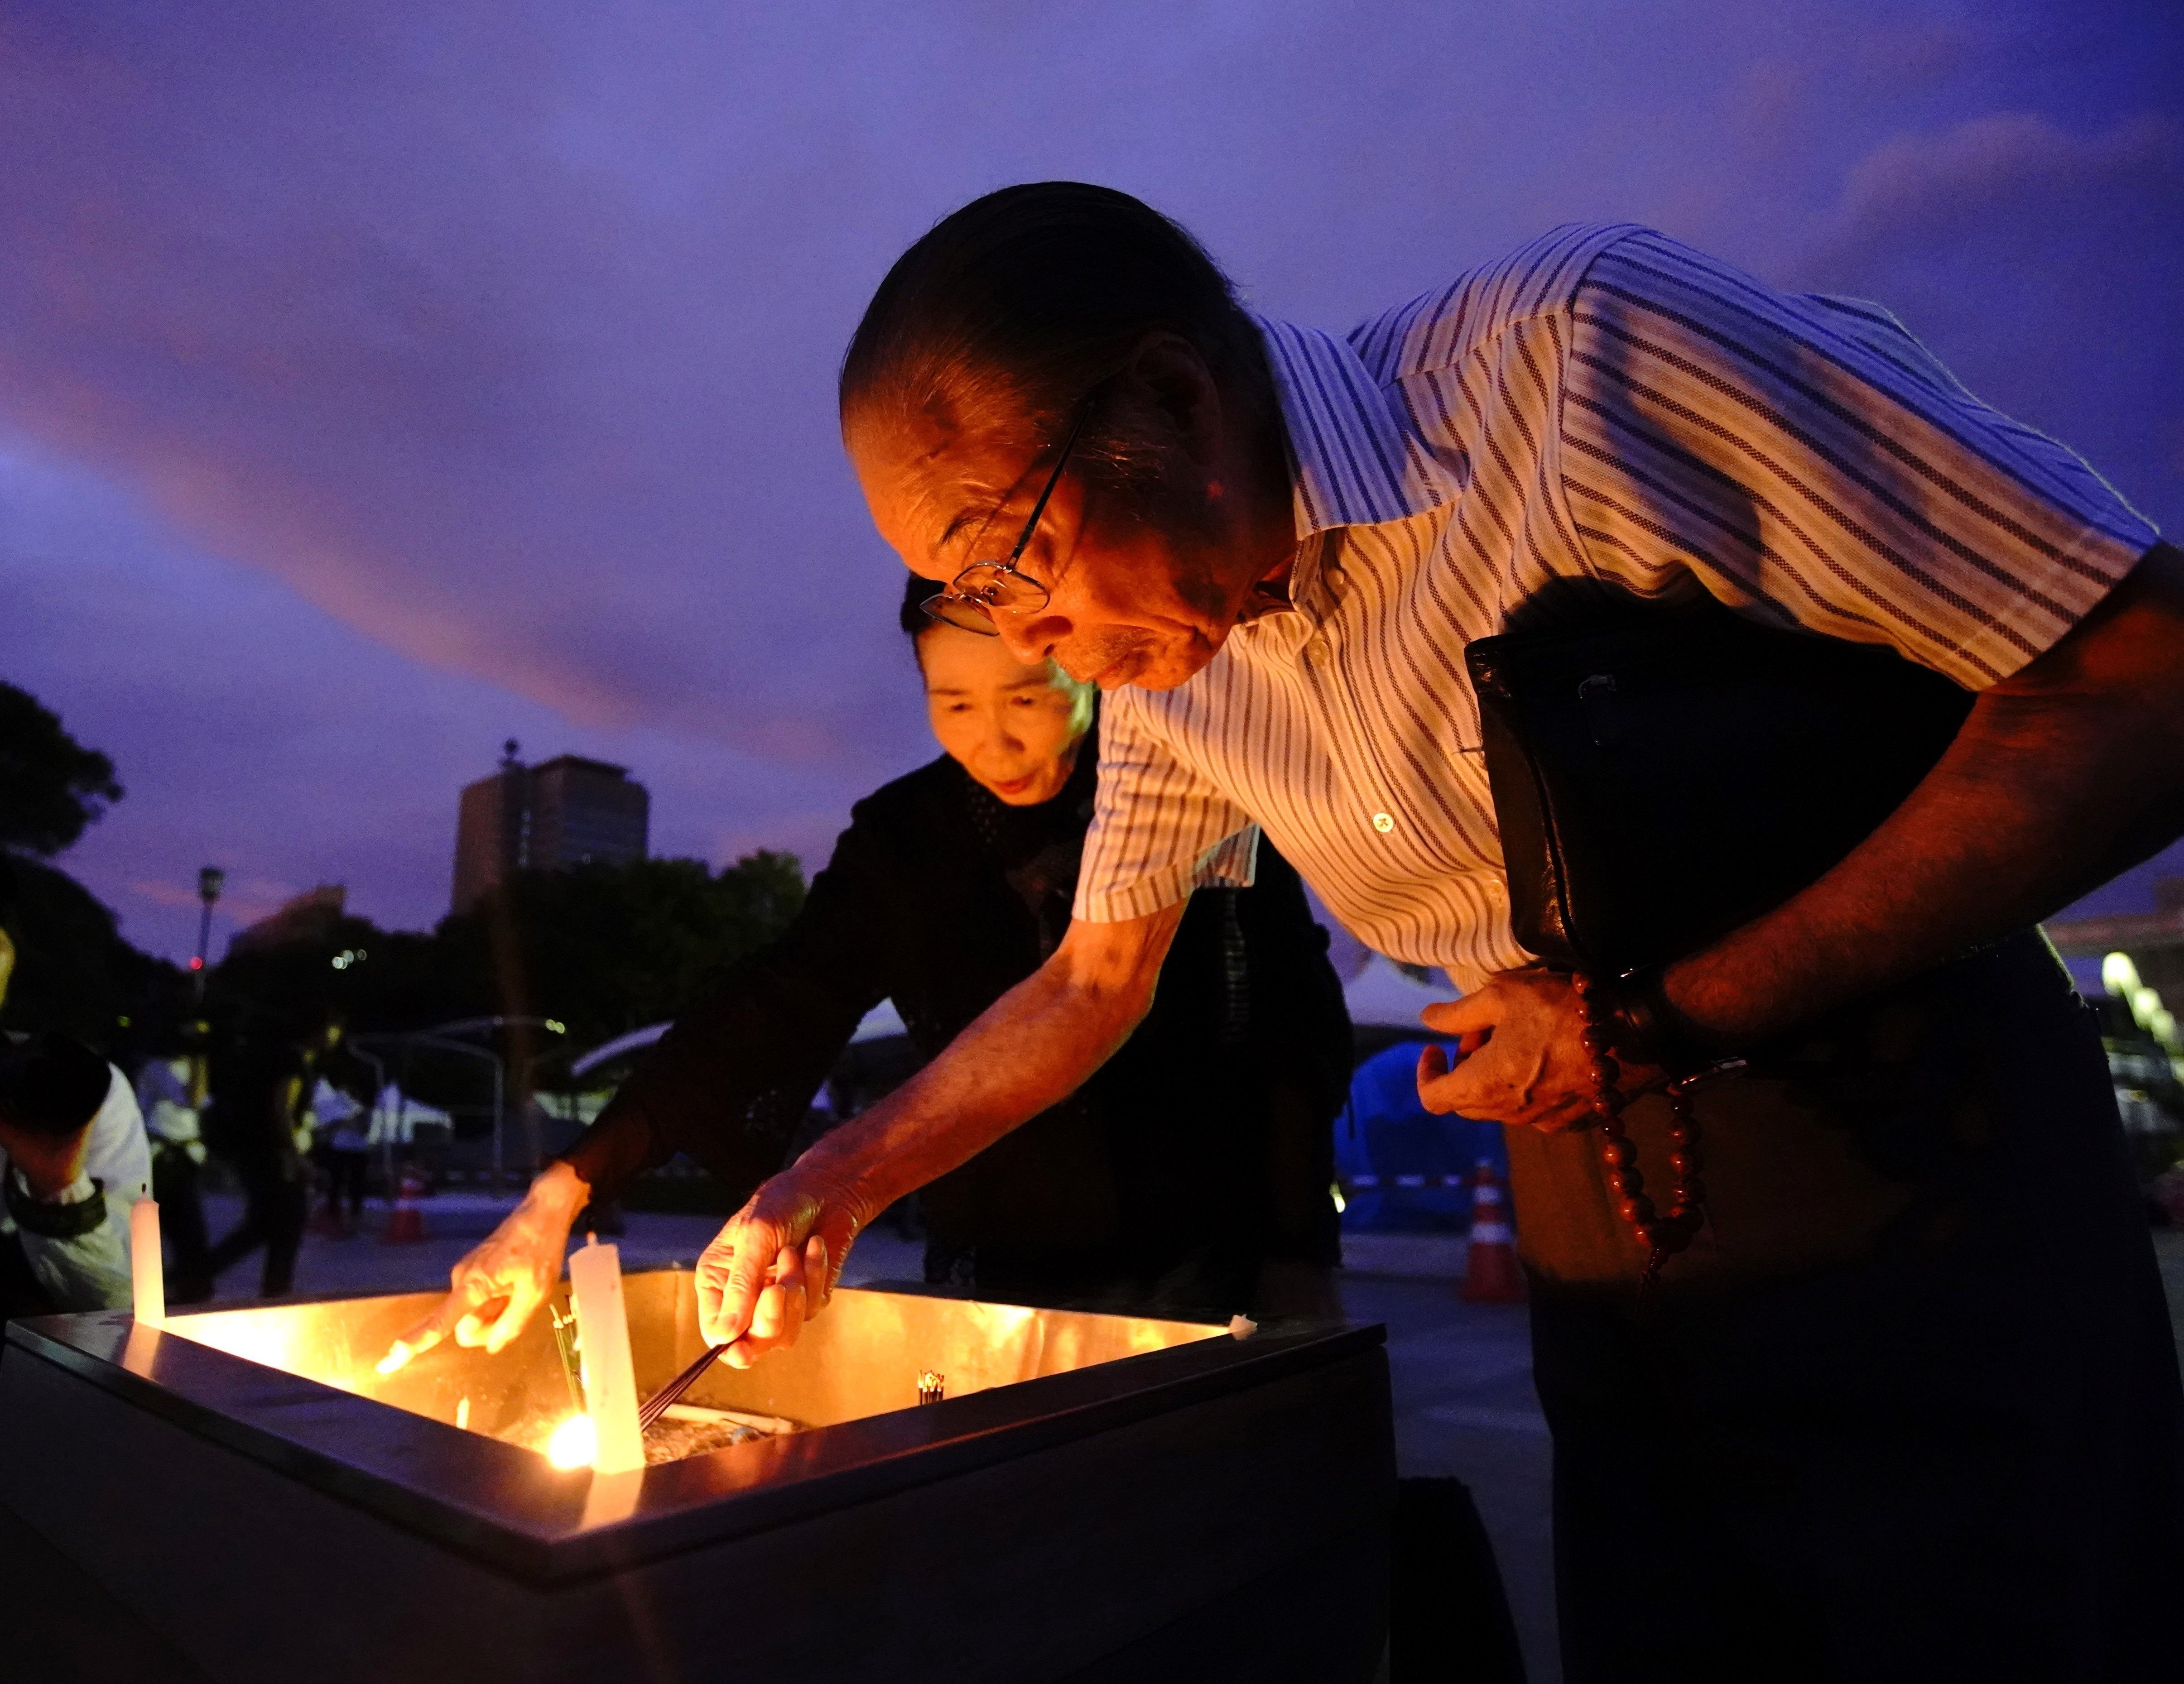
{"type": "Point", "coordinates": [1354, 461]}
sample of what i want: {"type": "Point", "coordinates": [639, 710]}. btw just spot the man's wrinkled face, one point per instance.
{"type": "Point", "coordinates": [1130, 600]}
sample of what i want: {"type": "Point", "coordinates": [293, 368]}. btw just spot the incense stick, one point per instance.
{"type": "Point", "coordinates": [657, 1405]}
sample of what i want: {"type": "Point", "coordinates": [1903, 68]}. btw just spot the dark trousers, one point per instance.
{"type": "Point", "coordinates": [276, 1206]}
{"type": "Point", "coordinates": [181, 1210]}
{"type": "Point", "coordinates": [345, 1173]}
{"type": "Point", "coordinates": [1911, 1410]}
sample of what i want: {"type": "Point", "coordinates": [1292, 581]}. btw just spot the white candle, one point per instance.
{"type": "Point", "coordinates": [612, 1496]}
{"type": "Point", "coordinates": [145, 1265]}
{"type": "Point", "coordinates": [609, 1379]}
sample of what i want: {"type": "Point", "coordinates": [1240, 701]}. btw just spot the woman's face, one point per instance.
{"type": "Point", "coordinates": [1014, 728]}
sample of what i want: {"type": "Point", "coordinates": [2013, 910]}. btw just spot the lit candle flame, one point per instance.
{"type": "Point", "coordinates": [575, 1444]}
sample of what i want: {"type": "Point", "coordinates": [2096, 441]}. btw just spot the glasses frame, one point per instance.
{"type": "Point", "coordinates": [974, 603]}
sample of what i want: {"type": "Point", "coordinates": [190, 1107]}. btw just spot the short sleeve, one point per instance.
{"type": "Point", "coordinates": [118, 1152]}
{"type": "Point", "coordinates": [1159, 830]}
{"type": "Point", "coordinates": [1811, 462]}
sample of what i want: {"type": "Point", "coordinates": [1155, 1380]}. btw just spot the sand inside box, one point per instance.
{"type": "Point", "coordinates": [686, 1430]}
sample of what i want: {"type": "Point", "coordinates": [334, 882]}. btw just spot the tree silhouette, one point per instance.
{"type": "Point", "coordinates": [51, 785]}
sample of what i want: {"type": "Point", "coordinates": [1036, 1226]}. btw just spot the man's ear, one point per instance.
{"type": "Point", "coordinates": [1167, 375]}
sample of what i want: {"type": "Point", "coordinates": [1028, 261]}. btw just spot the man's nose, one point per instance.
{"type": "Point", "coordinates": [1032, 639]}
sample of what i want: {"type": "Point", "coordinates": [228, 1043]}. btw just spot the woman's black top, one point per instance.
{"type": "Point", "coordinates": [1202, 1149]}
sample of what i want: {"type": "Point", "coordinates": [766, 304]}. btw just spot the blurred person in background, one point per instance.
{"type": "Point", "coordinates": [342, 1125]}
{"type": "Point", "coordinates": [72, 1156]}
{"type": "Point", "coordinates": [260, 1083]}
{"type": "Point", "coordinates": [170, 1094]}
{"type": "Point", "coordinates": [1193, 1173]}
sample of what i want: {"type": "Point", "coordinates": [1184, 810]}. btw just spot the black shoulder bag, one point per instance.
{"type": "Point", "coordinates": [1662, 775]}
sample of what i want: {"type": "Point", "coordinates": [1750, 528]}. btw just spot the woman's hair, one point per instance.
{"type": "Point", "coordinates": [916, 592]}
{"type": "Point", "coordinates": [1011, 311]}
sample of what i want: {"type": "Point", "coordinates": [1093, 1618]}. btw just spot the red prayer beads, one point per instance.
{"type": "Point", "coordinates": [1662, 1235]}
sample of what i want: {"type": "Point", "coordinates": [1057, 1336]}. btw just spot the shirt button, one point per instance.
{"type": "Point", "coordinates": [1384, 822]}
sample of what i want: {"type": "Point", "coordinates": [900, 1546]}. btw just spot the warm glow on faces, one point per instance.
{"type": "Point", "coordinates": [575, 1444]}
{"type": "Point", "coordinates": [1131, 600]}
{"type": "Point", "coordinates": [1014, 728]}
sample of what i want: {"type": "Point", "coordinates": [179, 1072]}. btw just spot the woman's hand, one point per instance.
{"type": "Point", "coordinates": [495, 1290]}
{"type": "Point", "coordinates": [1519, 1055]}
{"type": "Point", "coordinates": [774, 1265]}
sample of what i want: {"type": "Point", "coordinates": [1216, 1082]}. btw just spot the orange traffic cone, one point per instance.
{"type": "Point", "coordinates": [1490, 1274]}
{"type": "Point", "coordinates": [405, 1223]}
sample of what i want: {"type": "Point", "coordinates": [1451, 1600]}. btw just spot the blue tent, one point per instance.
{"type": "Point", "coordinates": [1400, 1166]}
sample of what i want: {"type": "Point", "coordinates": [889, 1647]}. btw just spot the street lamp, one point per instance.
{"type": "Point", "coordinates": [210, 881]}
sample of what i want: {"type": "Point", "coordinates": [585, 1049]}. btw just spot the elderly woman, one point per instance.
{"type": "Point", "coordinates": [1190, 1173]}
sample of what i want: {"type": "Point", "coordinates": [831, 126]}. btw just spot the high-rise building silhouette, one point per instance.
{"type": "Point", "coordinates": [569, 811]}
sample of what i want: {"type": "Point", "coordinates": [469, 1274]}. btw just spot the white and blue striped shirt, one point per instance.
{"type": "Point", "coordinates": [1603, 404]}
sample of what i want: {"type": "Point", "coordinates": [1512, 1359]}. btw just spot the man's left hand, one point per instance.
{"type": "Point", "coordinates": [1520, 1055]}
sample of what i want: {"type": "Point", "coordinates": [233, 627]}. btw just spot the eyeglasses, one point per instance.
{"type": "Point", "coordinates": [987, 588]}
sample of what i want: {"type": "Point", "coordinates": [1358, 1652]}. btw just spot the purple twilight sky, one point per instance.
{"type": "Point", "coordinates": [381, 380]}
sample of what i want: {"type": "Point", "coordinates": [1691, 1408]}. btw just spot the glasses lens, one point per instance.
{"type": "Point", "coordinates": [985, 589]}
{"type": "Point", "coordinates": [966, 614]}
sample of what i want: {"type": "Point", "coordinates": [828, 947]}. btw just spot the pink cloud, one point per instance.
{"type": "Point", "coordinates": [2019, 168]}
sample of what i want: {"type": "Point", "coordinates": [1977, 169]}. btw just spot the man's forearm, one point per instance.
{"type": "Point", "coordinates": [1031, 1049]}
{"type": "Point", "coordinates": [1986, 845]}
{"type": "Point", "coordinates": [2055, 775]}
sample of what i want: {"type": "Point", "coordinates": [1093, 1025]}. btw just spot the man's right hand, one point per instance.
{"type": "Point", "coordinates": [773, 1266]}
{"type": "Point", "coordinates": [776, 1264]}
{"type": "Point", "coordinates": [495, 1290]}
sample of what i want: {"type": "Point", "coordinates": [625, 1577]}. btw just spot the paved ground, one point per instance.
{"type": "Point", "coordinates": [1462, 1372]}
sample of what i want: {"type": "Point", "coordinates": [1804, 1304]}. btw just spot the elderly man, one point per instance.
{"type": "Point", "coordinates": [1907, 1407]}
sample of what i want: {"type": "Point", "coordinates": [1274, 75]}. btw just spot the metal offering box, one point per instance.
{"type": "Point", "coordinates": [1098, 1498]}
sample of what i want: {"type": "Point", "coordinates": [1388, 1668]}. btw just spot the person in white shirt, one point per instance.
{"type": "Point", "coordinates": [72, 1156]}
{"type": "Point", "coordinates": [343, 1127]}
